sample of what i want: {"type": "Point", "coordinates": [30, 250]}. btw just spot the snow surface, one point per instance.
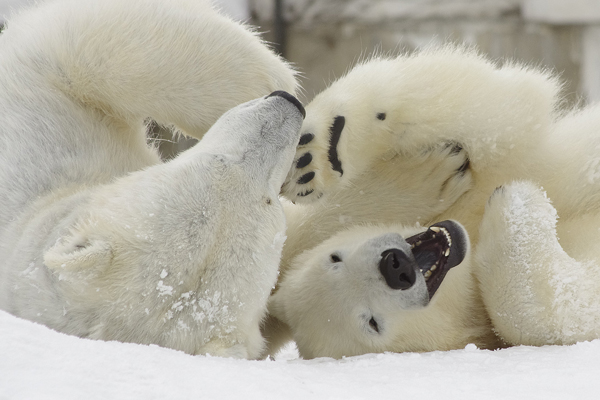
{"type": "Point", "coordinates": [38, 363]}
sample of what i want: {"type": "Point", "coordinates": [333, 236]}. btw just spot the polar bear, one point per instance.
{"type": "Point", "coordinates": [99, 238]}
{"type": "Point", "coordinates": [530, 277]}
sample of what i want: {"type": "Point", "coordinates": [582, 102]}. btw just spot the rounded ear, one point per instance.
{"type": "Point", "coordinates": [76, 253]}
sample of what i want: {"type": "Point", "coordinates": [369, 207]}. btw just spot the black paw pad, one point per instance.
{"type": "Point", "coordinates": [335, 132]}
{"type": "Point", "coordinates": [306, 139]}
{"type": "Point", "coordinates": [306, 178]}
{"type": "Point", "coordinates": [304, 160]}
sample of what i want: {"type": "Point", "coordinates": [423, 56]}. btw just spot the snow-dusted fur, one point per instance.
{"type": "Point", "coordinates": [532, 279]}
{"type": "Point", "coordinates": [98, 238]}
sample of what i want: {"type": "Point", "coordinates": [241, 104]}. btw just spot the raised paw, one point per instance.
{"type": "Point", "coordinates": [335, 149]}
{"type": "Point", "coordinates": [317, 164]}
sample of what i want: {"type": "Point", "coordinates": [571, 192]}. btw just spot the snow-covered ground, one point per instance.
{"type": "Point", "coordinates": [38, 363]}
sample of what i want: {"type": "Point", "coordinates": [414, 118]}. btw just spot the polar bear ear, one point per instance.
{"type": "Point", "coordinates": [76, 253]}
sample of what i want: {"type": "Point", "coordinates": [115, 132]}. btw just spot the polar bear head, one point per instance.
{"type": "Point", "coordinates": [367, 289]}
{"type": "Point", "coordinates": [208, 221]}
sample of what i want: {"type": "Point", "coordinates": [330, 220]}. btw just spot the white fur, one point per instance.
{"type": "Point", "coordinates": [98, 238]}
{"type": "Point", "coordinates": [538, 278]}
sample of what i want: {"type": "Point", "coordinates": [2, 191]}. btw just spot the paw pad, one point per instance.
{"type": "Point", "coordinates": [304, 179]}
{"type": "Point", "coordinates": [306, 139]}
{"type": "Point", "coordinates": [304, 160]}
{"type": "Point", "coordinates": [336, 131]}
{"type": "Point", "coordinates": [318, 164]}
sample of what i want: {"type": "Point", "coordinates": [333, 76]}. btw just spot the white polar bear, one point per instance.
{"type": "Point", "coordinates": [100, 239]}
{"type": "Point", "coordinates": [531, 280]}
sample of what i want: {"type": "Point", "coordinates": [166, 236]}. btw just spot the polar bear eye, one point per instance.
{"type": "Point", "coordinates": [381, 116]}
{"type": "Point", "coordinates": [373, 324]}
{"type": "Point", "coordinates": [335, 258]}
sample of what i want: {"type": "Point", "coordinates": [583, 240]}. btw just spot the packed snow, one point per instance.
{"type": "Point", "coordinates": [38, 363]}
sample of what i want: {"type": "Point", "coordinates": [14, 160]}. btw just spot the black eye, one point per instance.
{"type": "Point", "coordinates": [381, 116]}
{"type": "Point", "coordinates": [335, 258]}
{"type": "Point", "coordinates": [373, 325]}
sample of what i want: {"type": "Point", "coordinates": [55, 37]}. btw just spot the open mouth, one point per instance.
{"type": "Point", "coordinates": [441, 247]}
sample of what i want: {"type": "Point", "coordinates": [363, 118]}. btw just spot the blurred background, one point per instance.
{"type": "Point", "coordinates": [324, 38]}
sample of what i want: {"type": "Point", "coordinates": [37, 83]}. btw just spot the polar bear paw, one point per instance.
{"type": "Point", "coordinates": [321, 167]}
{"type": "Point", "coordinates": [317, 165]}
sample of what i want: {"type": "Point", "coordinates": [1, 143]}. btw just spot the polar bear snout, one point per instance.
{"type": "Point", "coordinates": [398, 268]}
{"type": "Point", "coordinates": [291, 99]}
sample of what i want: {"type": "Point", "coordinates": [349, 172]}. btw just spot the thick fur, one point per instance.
{"type": "Point", "coordinates": [532, 279]}
{"type": "Point", "coordinates": [98, 238]}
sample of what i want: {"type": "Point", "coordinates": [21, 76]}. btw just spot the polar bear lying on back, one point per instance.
{"type": "Point", "coordinates": [365, 157]}
{"type": "Point", "coordinates": [98, 238]}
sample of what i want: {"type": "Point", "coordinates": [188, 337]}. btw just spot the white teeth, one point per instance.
{"type": "Point", "coordinates": [447, 253]}
{"type": "Point", "coordinates": [418, 243]}
{"type": "Point", "coordinates": [433, 267]}
{"type": "Point", "coordinates": [448, 237]}
{"type": "Point", "coordinates": [434, 228]}
{"type": "Point", "coordinates": [427, 275]}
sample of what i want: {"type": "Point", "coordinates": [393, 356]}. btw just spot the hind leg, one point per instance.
{"type": "Point", "coordinates": [535, 293]}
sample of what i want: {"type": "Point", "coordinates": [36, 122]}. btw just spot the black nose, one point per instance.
{"type": "Point", "coordinates": [291, 99]}
{"type": "Point", "coordinates": [398, 269]}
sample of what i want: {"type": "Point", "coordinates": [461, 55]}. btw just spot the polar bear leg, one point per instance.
{"type": "Point", "coordinates": [179, 62]}
{"type": "Point", "coordinates": [535, 293]}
